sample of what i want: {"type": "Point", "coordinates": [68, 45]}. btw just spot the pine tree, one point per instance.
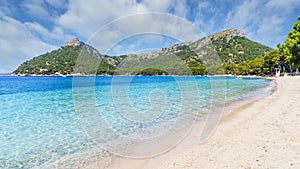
{"type": "Point", "coordinates": [291, 47]}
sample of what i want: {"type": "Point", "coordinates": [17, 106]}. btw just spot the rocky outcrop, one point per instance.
{"type": "Point", "coordinates": [228, 34]}
{"type": "Point", "coordinates": [74, 42]}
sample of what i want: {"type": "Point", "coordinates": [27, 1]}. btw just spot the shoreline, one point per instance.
{"type": "Point", "coordinates": [261, 134]}
{"type": "Point", "coordinates": [76, 75]}
{"type": "Point", "coordinates": [109, 161]}
{"type": "Point", "coordinates": [93, 75]}
{"type": "Point", "coordinates": [230, 110]}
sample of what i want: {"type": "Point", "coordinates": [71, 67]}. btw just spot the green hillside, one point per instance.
{"type": "Point", "coordinates": [239, 49]}
{"type": "Point", "coordinates": [62, 61]}
{"type": "Point", "coordinates": [228, 51]}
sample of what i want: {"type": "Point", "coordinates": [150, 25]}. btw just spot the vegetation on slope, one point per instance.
{"type": "Point", "coordinates": [58, 61]}
{"type": "Point", "coordinates": [62, 62]}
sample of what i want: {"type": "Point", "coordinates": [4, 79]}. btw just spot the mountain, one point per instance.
{"type": "Point", "coordinates": [234, 47]}
{"type": "Point", "coordinates": [229, 51]}
{"type": "Point", "coordinates": [210, 55]}
{"type": "Point", "coordinates": [62, 61]}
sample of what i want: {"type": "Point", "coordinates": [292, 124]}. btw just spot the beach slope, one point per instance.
{"type": "Point", "coordinates": [265, 134]}
{"type": "Point", "coordinates": [261, 134]}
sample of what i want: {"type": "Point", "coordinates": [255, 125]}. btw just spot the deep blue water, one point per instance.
{"type": "Point", "coordinates": [40, 116]}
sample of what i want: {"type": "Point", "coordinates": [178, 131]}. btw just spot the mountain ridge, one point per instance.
{"type": "Point", "coordinates": [231, 46]}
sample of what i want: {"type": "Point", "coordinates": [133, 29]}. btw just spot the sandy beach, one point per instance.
{"type": "Point", "coordinates": [264, 133]}
{"type": "Point", "coordinates": [261, 134]}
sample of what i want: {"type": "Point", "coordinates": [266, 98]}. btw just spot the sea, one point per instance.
{"type": "Point", "coordinates": [44, 119]}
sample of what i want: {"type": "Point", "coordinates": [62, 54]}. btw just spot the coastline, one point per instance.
{"type": "Point", "coordinates": [101, 75]}
{"type": "Point", "coordinates": [94, 156]}
{"type": "Point", "coordinates": [261, 134]}
{"type": "Point", "coordinates": [90, 158]}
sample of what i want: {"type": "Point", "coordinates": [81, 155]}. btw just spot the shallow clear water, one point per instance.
{"type": "Point", "coordinates": [40, 122]}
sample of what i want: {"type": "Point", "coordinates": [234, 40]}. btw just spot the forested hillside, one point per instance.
{"type": "Point", "coordinates": [236, 55]}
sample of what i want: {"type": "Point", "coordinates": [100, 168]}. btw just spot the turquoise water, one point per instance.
{"type": "Point", "coordinates": [40, 116]}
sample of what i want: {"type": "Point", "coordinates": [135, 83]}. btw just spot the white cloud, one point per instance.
{"type": "Point", "coordinates": [262, 21]}
{"type": "Point", "coordinates": [57, 3]}
{"type": "Point", "coordinates": [181, 9]}
{"type": "Point", "coordinates": [201, 20]}
{"type": "Point", "coordinates": [20, 41]}
{"type": "Point", "coordinates": [141, 43]}
{"type": "Point", "coordinates": [143, 24]}
{"type": "Point", "coordinates": [85, 17]}
{"type": "Point", "coordinates": [18, 44]}
{"type": "Point", "coordinates": [270, 28]}
{"type": "Point", "coordinates": [157, 5]}
{"type": "Point", "coordinates": [46, 10]}
{"type": "Point", "coordinates": [284, 5]}
{"type": "Point", "coordinates": [36, 9]}
{"type": "Point", "coordinates": [4, 8]}
{"type": "Point", "coordinates": [200, 15]}
{"type": "Point", "coordinates": [245, 14]}
{"type": "Point", "coordinates": [56, 34]}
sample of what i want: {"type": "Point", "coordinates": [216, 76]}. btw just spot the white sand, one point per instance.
{"type": "Point", "coordinates": [263, 134]}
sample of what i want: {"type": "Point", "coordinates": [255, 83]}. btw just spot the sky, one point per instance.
{"type": "Point", "coordinates": [29, 28]}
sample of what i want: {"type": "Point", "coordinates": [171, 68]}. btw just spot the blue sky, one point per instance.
{"type": "Point", "coordinates": [29, 28]}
